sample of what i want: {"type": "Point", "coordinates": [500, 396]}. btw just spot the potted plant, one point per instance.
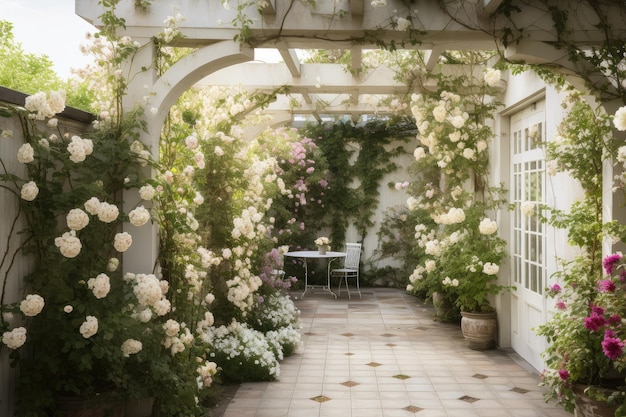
{"type": "Point", "coordinates": [322, 243]}
{"type": "Point", "coordinates": [584, 361]}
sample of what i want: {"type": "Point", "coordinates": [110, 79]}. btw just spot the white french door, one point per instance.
{"type": "Point", "coordinates": [528, 245]}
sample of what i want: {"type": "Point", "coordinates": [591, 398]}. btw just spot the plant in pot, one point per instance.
{"type": "Point", "coordinates": [584, 360]}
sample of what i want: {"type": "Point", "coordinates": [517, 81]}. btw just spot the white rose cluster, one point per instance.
{"type": "Point", "coordinates": [205, 372]}
{"type": "Point", "coordinates": [26, 154]}
{"type": "Point", "coordinates": [527, 208]}
{"type": "Point", "coordinates": [150, 292]}
{"type": "Point", "coordinates": [77, 219]}
{"type": "Point", "coordinates": [29, 191]}
{"type": "Point", "coordinates": [89, 327]}
{"type": "Point", "coordinates": [32, 305]}
{"type": "Point", "coordinates": [43, 106]}
{"type": "Point", "coordinates": [492, 77]}
{"type": "Point", "coordinates": [450, 282]}
{"type": "Point", "coordinates": [113, 264]}
{"type": "Point", "coordinates": [100, 285]}
{"type": "Point", "coordinates": [79, 148]}
{"type": "Point", "coordinates": [15, 338]}
{"type": "Point", "coordinates": [487, 226]}
{"type": "Point", "coordinates": [130, 347]}
{"type": "Point", "coordinates": [68, 244]}
{"type": "Point", "coordinates": [453, 216]}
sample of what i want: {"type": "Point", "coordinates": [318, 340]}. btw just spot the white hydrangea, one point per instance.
{"type": "Point", "coordinates": [68, 244]}
{"type": "Point", "coordinates": [147, 289]}
{"type": "Point", "coordinates": [487, 226]}
{"type": "Point", "coordinates": [26, 154]}
{"type": "Point", "coordinates": [130, 347]}
{"type": "Point", "coordinates": [29, 191]}
{"type": "Point", "coordinates": [100, 285]}
{"type": "Point", "coordinates": [77, 219]}
{"type": "Point", "coordinates": [139, 216]}
{"type": "Point", "coordinates": [171, 327]}
{"type": "Point", "coordinates": [32, 305]}
{"type": "Point", "coordinates": [89, 327]}
{"type": "Point", "coordinates": [15, 338]}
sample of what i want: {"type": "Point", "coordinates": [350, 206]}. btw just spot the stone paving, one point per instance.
{"type": "Point", "coordinates": [385, 356]}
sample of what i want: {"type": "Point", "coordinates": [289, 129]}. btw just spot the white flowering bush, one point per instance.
{"type": "Point", "coordinates": [244, 354]}
{"type": "Point", "coordinates": [459, 249]}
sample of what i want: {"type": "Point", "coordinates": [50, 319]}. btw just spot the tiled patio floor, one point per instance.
{"type": "Point", "coordinates": [384, 356]}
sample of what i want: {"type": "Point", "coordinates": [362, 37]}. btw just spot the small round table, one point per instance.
{"type": "Point", "coordinates": [313, 254]}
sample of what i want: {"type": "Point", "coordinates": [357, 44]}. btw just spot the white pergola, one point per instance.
{"type": "Point", "coordinates": [355, 25]}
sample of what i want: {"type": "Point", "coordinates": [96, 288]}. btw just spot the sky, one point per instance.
{"type": "Point", "coordinates": [52, 28]}
{"type": "Point", "coordinates": [49, 27]}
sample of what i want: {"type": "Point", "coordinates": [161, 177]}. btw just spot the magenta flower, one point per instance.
{"type": "Point", "coordinates": [594, 322]}
{"type": "Point", "coordinates": [606, 285]}
{"type": "Point", "coordinates": [561, 305]}
{"type": "Point", "coordinates": [563, 374]}
{"type": "Point", "coordinates": [609, 262]}
{"type": "Point", "coordinates": [597, 310]}
{"type": "Point", "coordinates": [615, 319]}
{"type": "Point", "coordinates": [556, 288]}
{"type": "Point", "coordinates": [612, 345]}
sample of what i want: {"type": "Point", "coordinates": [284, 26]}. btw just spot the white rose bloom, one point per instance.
{"type": "Point", "coordinates": [403, 24]}
{"type": "Point", "coordinates": [108, 213]}
{"type": "Point", "coordinates": [26, 154]}
{"type": "Point", "coordinates": [191, 142]}
{"type": "Point", "coordinates": [77, 219]}
{"type": "Point", "coordinates": [68, 244]}
{"type": "Point", "coordinates": [32, 305]}
{"type": "Point", "coordinates": [492, 77]}
{"type": "Point", "coordinates": [528, 208]}
{"type": "Point", "coordinates": [139, 216]}
{"type": "Point", "coordinates": [419, 153]}
{"type": "Point", "coordinates": [113, 264]}
{"type": "Point", "coordinates": [29, 191]}
{"type": "Point", "coordinates": [89, 327]}
{"type": "Point", "coordinates": [15, 338]}
{"type": "Point", "coordinates": [144, 315]}
{"type": "Point", "coordinates": [469, 153]}
{"type": "Point", "coordinates": [68, 309]}
{"type": "Point", "coordinates": [130, 347]}
{"type": "Point", "coordinates": [490, 268]}
{"type": "Point", "coordinates": [100, 285]}
{"type": "Point", "coordinates": [439, 113]}
{"type": "Point", "coordinates": [122, 241]}
{"type": "Point", "coordinates": [162, 307]}
{"type": "Point", "coordinates": [92, 206]}
{"type": "Point", "coordinates": [488, 226]}
{"type": "Point", "coordinates": [147, 192]}
{"type": "Point", "coordinates": [171, 327]}
{"type": "Point", "coordinates": [619, 120]}
{"type": "Point", "coordinates": [430, 265]}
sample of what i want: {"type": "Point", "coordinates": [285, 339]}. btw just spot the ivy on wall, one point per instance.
{"type": "Point", "coordinates": [359, 156]}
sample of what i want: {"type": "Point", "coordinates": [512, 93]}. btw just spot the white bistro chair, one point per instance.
{"type": "Point", "coordinates": [350, 268]}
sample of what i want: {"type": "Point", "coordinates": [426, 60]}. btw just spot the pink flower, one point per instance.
{"type": "Point", "coordinates": [609, 262]}
{"type": "Point", "coordinates": [563, 374]}
{"type": "Point", "coordinates": [561, 305]}
{"type": "Point", "coordinates": [594, 322]}
{"type": "Point", "coordinates": [612, 346]}
{"type": "Point", "coordinates": [606, 285]}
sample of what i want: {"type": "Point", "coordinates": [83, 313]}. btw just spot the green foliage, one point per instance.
{"type": "Point", "coordinates": [30, 73]}
{"type": "Point", "coordinates": [358, 155]}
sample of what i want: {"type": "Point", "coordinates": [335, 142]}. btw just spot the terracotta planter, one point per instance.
{"type": "Point", "coordinates": [479, 329]}
{"type": "Point", "coordinates": [588, 407]}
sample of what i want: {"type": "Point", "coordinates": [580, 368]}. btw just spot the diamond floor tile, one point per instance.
{"type": "Point", "coordinates": [347, 367]}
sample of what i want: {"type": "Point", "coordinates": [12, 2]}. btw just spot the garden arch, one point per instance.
{"type": "Point", "coordinates": [524, 31]}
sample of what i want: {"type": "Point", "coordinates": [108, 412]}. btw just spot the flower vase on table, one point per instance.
{"type": "Point", "coordinates": [322, 244]}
